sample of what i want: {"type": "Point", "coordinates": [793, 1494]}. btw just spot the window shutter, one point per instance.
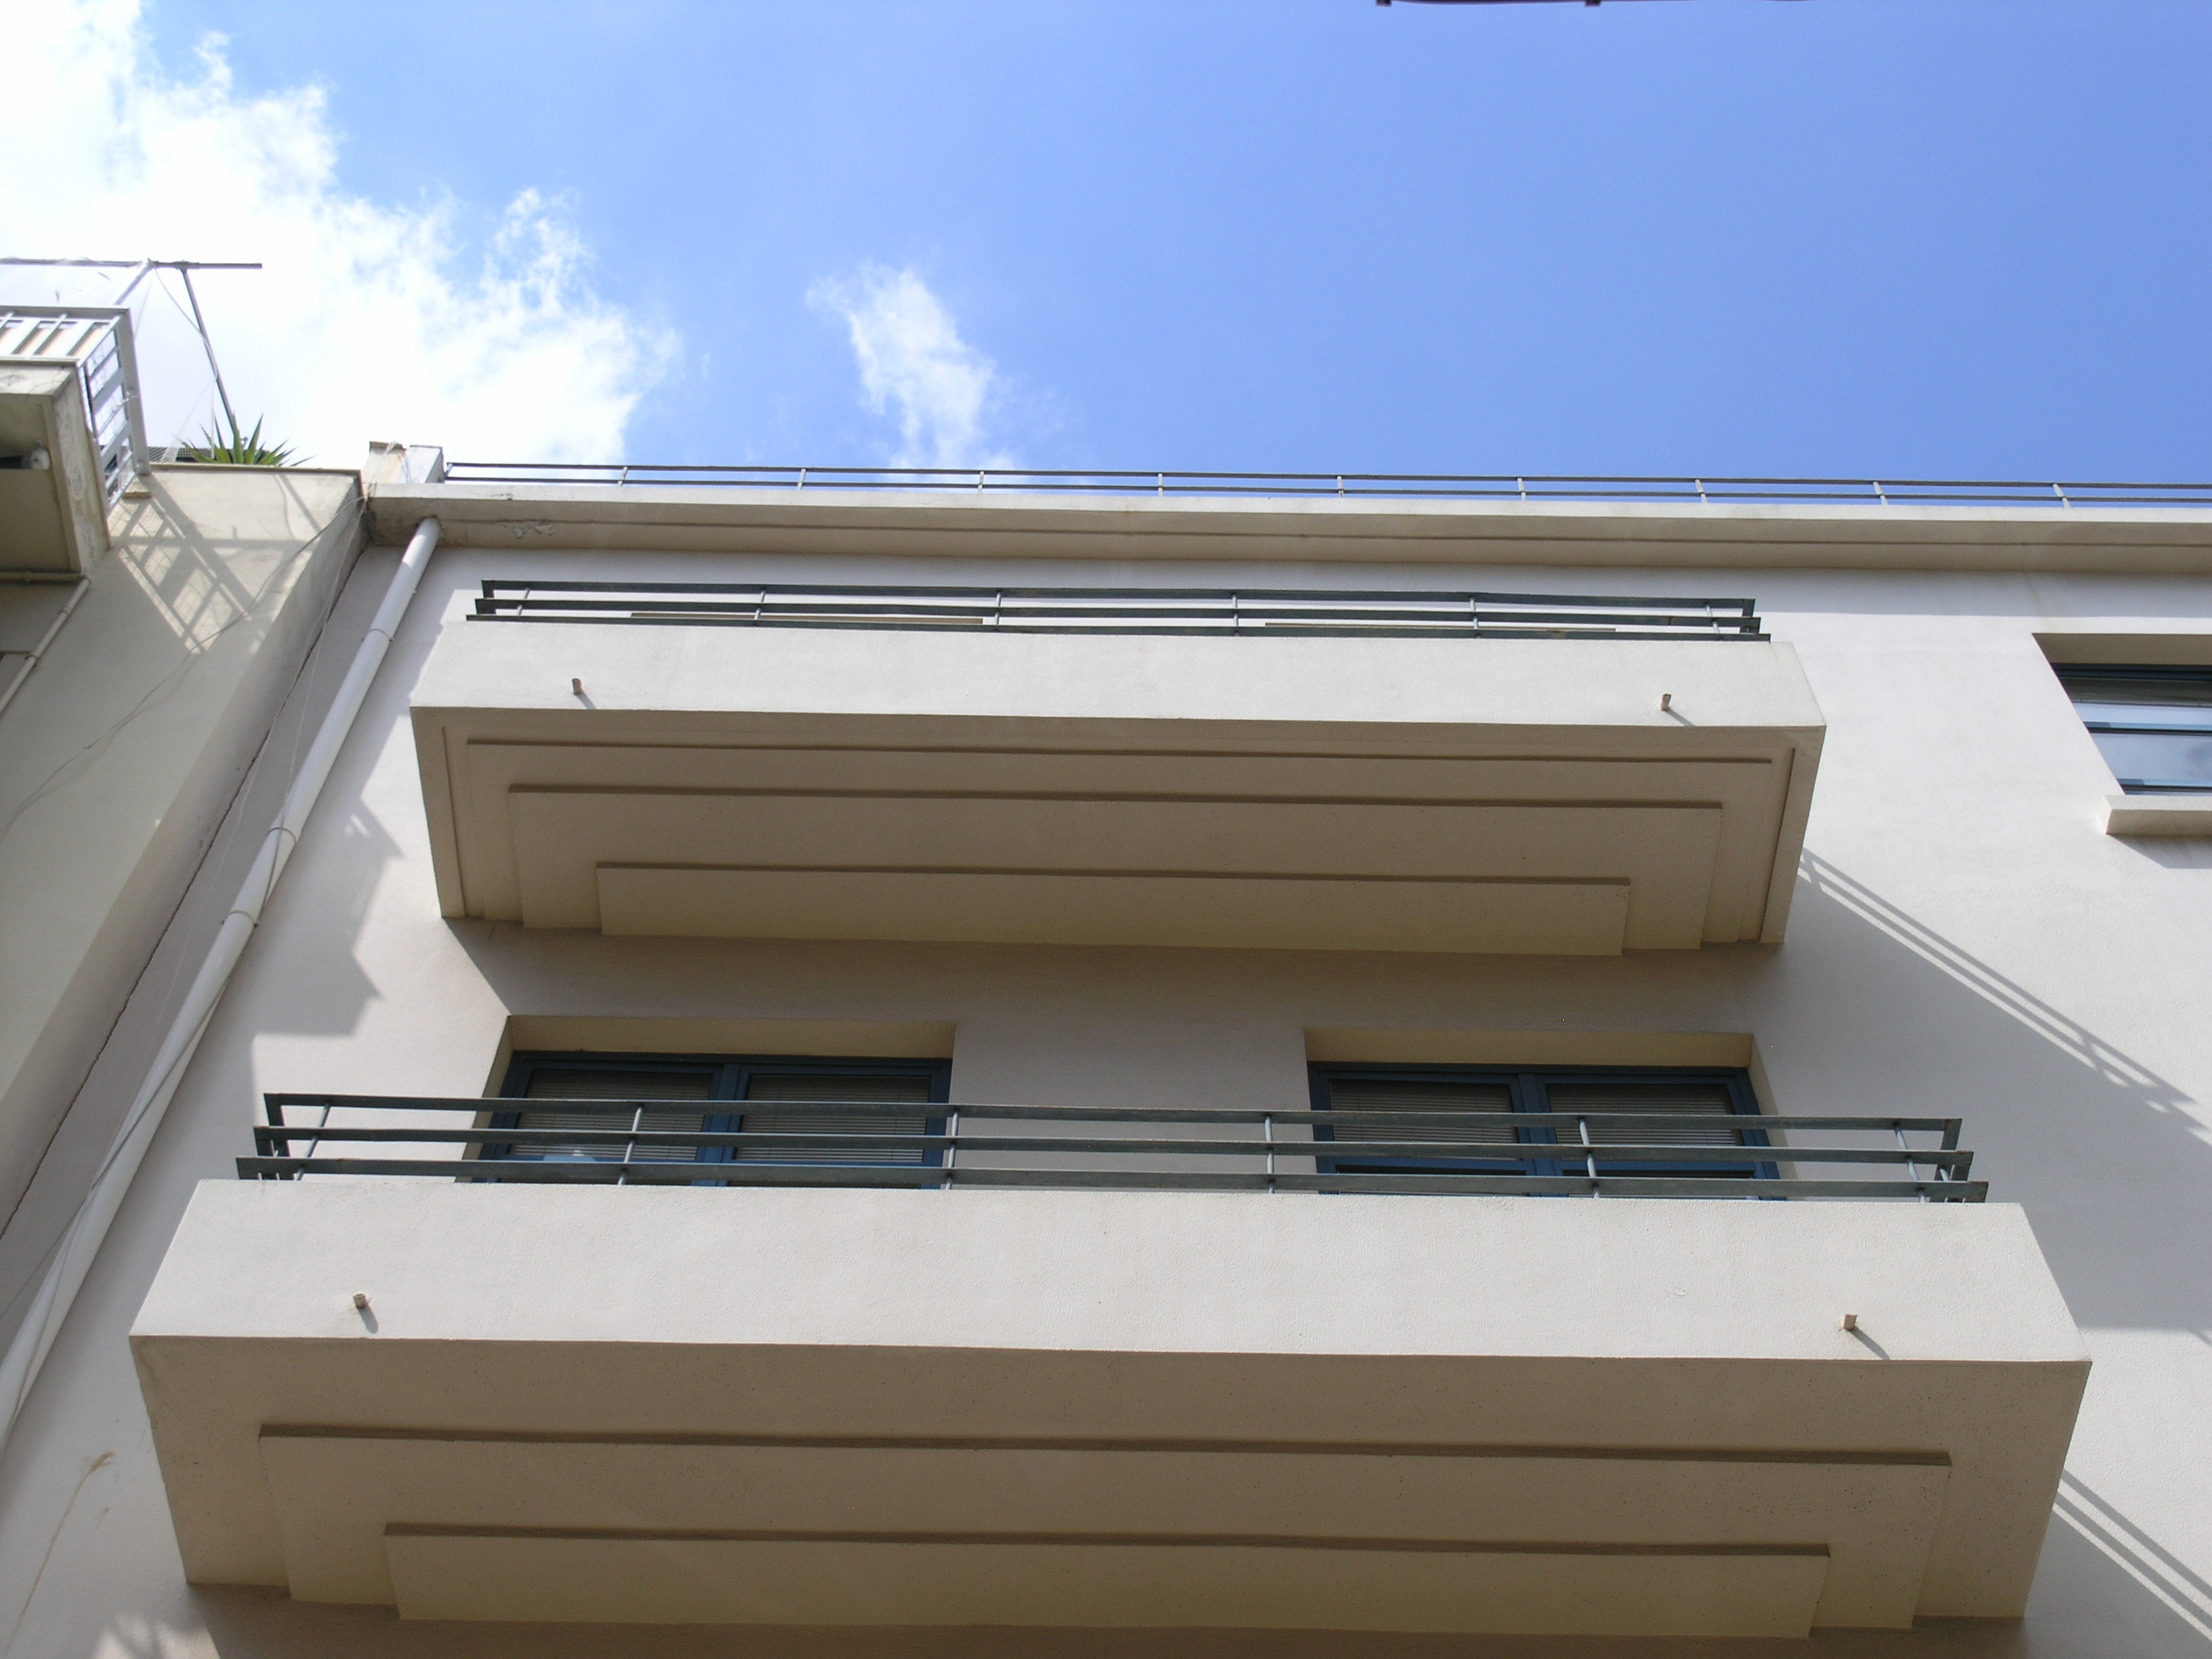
{"type": "Point", "coordinates": [1452, 1095]}
{"type": "Point", "coordinates": [909, 1089]}
{"type": "Point", "coordinates": [563, 1083]}
{"type": "Point", "coordinates": [1702, 1099]}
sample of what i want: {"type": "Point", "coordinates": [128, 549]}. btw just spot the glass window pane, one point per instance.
{"type": "Point", "coordinates": [2187, 716]}
{"type": "Point", "coordinates": [2144, 758]}
{"type": "Point", "coordinates": [2185, 696]}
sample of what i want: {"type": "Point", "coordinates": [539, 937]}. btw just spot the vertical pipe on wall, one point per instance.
{"type": "Point", "coordinates": [73, 1257]}
{"type": "Point", "coordinates": [38, 652]}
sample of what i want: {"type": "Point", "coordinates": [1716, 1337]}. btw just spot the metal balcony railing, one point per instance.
{"type": "Point", "coordinates": [1455, 486]}
{"type": "Point", "coordinates": [97, 340]}
{"type": "Point", "coordinates": [1159, 1149]}
{"type": "Point", "coordinates": [1243, 612]}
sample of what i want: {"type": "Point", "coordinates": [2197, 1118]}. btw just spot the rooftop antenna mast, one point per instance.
{"type": "Point", "coordinates": [145, 268]}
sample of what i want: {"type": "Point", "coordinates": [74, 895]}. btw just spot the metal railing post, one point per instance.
{"type": "Point", "coordinates": [630, 1150]}
{"type": "Point", "coordinates": [1911, 1168]}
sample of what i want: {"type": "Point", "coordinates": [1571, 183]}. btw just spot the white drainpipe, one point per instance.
{"type": "Point", "coordinates": [38, 653]}
{"type": "Point", "coordinates": [81, 1243]}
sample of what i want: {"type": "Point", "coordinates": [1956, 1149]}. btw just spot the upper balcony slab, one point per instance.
{"type": "Point", "coordinates": [1522, 795]}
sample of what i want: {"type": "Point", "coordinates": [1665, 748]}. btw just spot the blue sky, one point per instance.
{"type": "Point", "coordinates": [1750, 236]}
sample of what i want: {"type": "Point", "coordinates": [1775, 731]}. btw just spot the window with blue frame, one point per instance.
{"type": "Point", "coordinates": [2154, 724]}
{"type": "Point", "coordinates": [724, 1094]}
{"type": "Point", "coordinates": [1473, 1109]}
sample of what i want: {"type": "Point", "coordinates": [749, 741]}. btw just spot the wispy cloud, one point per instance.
{"type": "Point", "coordinates": [370, 320]}
{"type": "Point", "coordinates": [910, 355]}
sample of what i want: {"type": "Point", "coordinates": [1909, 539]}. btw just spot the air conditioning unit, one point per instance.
{"type": "Point", "coordinates": [71, 436]}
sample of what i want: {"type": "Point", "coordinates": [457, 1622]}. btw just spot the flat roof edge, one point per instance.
{"type": "Point", "coordinates": [2147, 540]}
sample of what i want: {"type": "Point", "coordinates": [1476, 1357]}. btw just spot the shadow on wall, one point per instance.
{"type": "Point", "coordinates": [2086, 1524]}
{"type": "Point", "coordinates": [2095, 1146]}
{"type": "Point", "coordinates": [198, 590]}
{"type": "Point", "coordinates": [329, 996]}
{"type": "Point", "coordinates": [2099, 1150]}
{"type": "Point", "coordinates": [2069, 1034]}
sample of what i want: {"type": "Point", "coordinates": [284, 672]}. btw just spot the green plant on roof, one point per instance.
{"type": "Point", "coordinates": [239, 449]}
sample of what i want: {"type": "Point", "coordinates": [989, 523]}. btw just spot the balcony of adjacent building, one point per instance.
{"type": "Point", "coordinates": [810, 1343]}
{"type": "Point", "coordinates": [72, 434]}
{"type": "Point", "coordinates": [1260, 767]}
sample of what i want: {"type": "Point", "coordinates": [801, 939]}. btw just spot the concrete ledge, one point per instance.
{"type": "Point", "coordinates": [2171, 815]}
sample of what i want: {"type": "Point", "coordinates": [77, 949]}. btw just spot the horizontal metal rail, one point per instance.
{"type": "Point", "coordinates": [581, 1173]}
{"type": "Point", "coordinates": [1461, 486]}
{"type": "Point", "coordinates": [816, 1156]}
{"type": "Point", "coordinates": [827, 1144]}
{"type": "Point", "coordinates": [1227, 612]}
{"type": "Point", "coordinates": [1949, 1127]}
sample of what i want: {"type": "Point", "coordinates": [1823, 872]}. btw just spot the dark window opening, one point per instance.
{"type": "Point", "coordinates": [799, 1097]}
{"type": "Point", "coordinates": [2154, 725]}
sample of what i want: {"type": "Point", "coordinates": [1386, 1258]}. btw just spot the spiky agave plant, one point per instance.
{"type": "Point", "coordinates": [239, 449]}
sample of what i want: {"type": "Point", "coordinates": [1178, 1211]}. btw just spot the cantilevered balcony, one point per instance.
{"type": "Point", "coordinates": [1020, 1366]}
{"type": "Point", "coordinates": [1372, 770]}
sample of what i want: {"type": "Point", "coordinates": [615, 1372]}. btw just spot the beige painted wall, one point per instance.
{"type": "Point", "coordinates": [120, 754]}
{"type": "Point", "coordinates": [1964, 938]}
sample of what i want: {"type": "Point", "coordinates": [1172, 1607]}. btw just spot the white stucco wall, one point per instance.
{"type": "Point", "coordinates": [1964, 938]}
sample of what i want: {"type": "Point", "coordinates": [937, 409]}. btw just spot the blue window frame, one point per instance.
{"type": "Point", "coordinates": [725, 1094]}
{"type": "Point", "coordinates": [2153, 724]}
{"type": "Point", "coordinates": [1471, 1093]}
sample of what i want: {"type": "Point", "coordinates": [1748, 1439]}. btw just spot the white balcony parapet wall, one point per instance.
{"type": "Point", "coordinates": [1516, 1415]}
{"type": "Point", "coordinates": [1412, 794]}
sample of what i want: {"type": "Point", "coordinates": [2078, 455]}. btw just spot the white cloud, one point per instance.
{"type": "Point", "coordinates": [910, 355]}
{"type": "Point", "coordinates": [370, 320]}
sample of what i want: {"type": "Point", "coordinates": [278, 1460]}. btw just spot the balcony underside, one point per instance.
{"type": "Point", "coordinates": [1524, 796]}
{"type": "Point", "coordinates": [1161, 1410]}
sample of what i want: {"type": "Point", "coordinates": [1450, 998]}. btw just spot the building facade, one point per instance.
{"type": "Point", "coordinates": [883, 1072]}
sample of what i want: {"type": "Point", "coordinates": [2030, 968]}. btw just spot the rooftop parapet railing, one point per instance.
{"type": "Point", "coordinates": [1231, 611]}
{"type": "Point", "coordinates": [1450, 486]}
{"type": "Point", "coordinates": [97, 340]}
{"type": "Point", "coordinates": [663, 1143]}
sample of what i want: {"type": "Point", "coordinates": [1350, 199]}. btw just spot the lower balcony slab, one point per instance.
{"type": "Point", "coordinates": [1450, 1393]}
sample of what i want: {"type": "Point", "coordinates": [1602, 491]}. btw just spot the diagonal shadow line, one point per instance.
{"type": "Point", "coordinates": [2150, 1554]}
{"type": "Point", "coordinates": [2061, 1030]}
{"type": "Point", "coordinates": [2115, 1549]}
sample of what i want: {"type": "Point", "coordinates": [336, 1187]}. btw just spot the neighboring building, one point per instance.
{"type": "Point", "coordinates": [152, 621]}
{"type": "Point", "coordinates": [791, 904]}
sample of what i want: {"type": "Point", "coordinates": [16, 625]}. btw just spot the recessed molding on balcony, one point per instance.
{"type": "Point", "coordinates": [1406, 794]}
{"type": "Point", "coordinates": [599, 1421]}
